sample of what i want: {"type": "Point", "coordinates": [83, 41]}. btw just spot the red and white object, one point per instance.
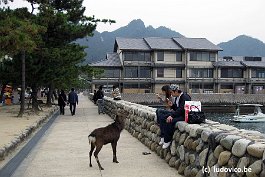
{"type": "Point", "coordinates": [191, 106]}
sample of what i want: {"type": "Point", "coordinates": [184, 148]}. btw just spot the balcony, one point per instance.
{"type": "Point", "coordinates": [138, 63]}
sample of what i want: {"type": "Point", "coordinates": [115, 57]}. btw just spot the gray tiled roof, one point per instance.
{"type": "Point", "coordinates": [258, 64]}
{"type": "Point", "coordinates": [197, 44]}
{"type": "Point", "coordinates": [228, 64]}
{"type": "Point", "coordinates": [132, 44]}
{"type": "Point", "coordinates": [162, 43]}
{"type": "Point", "coordinates": [113, 60]}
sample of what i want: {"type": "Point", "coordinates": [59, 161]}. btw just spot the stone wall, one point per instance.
{"type": "Point", "coordinates": [197, 147]}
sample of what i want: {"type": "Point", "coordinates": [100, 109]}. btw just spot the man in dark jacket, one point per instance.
{"type": "Point", "coordinates": [177, 115]}
{"type": "Point", "coordinates": [73, 101]}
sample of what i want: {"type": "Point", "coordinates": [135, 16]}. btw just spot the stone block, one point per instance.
{"type": "Point", "coordinates": [256, 150]}
{"type": "Point", "coordinates": [224, 158]}
{"type": "Point", "coordinates": [240, 147]}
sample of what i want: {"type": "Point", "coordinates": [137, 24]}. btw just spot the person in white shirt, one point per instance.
{"type": "Point", "coordinates": [116, 93]}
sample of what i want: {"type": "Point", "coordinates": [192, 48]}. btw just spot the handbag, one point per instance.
{"type": "Point", "coordinates": [196, 117]}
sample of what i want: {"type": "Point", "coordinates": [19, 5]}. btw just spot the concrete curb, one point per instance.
{"type": "Point", "coordinates": [24, 135]}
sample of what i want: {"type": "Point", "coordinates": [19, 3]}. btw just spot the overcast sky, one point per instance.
{"type": "Point", "coordinates": [216, 20]}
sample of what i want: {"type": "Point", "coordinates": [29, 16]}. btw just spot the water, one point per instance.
{"type": "Point", "coordinates": [225, 118]}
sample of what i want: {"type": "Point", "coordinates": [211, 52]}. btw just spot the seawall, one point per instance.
{"type": "Point", "coordinates": [210, 147]}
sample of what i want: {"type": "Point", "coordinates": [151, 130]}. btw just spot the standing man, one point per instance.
{"type": "Point", "coordinates": [72, 100]}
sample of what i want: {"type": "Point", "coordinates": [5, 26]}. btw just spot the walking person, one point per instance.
{"type": "Point", "coordinates": [62, 101]}
{"type": "Point", "coordinates": [95, 97]}
{"type": "Point", "coordinates": [73, 101]}
{"type": "Point", "coordinates": [100, 101]}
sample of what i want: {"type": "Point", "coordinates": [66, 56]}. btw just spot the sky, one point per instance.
{"type": "Point", "coordinates": [216, 20]}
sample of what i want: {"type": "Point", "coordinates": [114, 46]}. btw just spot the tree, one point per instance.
{"type": "Point", "coordinates": [18, 35]}
{"type": "Point", "coordinates": [65, 22]}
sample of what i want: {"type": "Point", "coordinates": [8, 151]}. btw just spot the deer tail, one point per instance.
{"type": "Point", "coordinates": [91, 139]}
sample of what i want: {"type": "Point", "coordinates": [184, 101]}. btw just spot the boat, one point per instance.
{"type": "Point", "coordinates": [256, 116]}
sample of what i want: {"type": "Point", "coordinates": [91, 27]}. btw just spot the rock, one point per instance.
{"type": "Point", "coordinates": [182, 168]}
{"type": "Point", "coordinates": [211, 160]}
{"type": "Point", "coordinates": [221, 136]}
{"type": "Point", "coordinates": [187, 143]}
{"type": "Point", "coordinates": [224, 158]}
{"type": "Point", "coordinates": [202, 157]}
{"type": "Point", "coordinates": [255, 168]}
{"type": "Point", "coordinates": [200, 146]}
{"type": "Point", "coordinates": [205, 135]}
{"type": "Point", "coordinates": [153, 146]}
{"type": "Point", "coordinates": [158, 150]}
{"type": "Point", "coordinates": [194, 172]}
{"type": "Point", "coordinates": [242, 163]}
{"type": "Point", "coordinates": [2, 154]}
{"type": "Point", "coordinates": [181, 126]}
{"type": "Point", "coordinates": [177, 164]}
{"type": "Point", "coordinates": [163, 153]}
{"type": "Point", "coordinates": [212, 171]}
{"type": "Point", "coordinates": [256, 150]}
{"type": "Point", "coordinates": [223, 174]}
{"type": "Point", "coordinates": [173, 148]}
{"type": "Point", "coordinates": [194, 144]}
{"type": "Point", "coordinates": [228, 141]}
{"type": "Point", "coordinates": [192, 159]}
{"type": "Point", "coordinates": [182, 138]}
{"type": "Point", "coordinates": [240, 147]}
{"type": "Point", "coordinates": [187, 171]}
{"type": "Point", "coordinates": [233, 161]}
{"type": "Point", "coordinates": [168, 157]}
{"type": "Point", "coordinates": [177, 137]}
{"type": "Point", "coordinates": [186, 158]}
{"type": "Point", "coordinates": [181, 151]}
{"type": "Point", "coordinates": [225, 127]}
{"type": "Point", "coordinates": [218, 150]}
{"type": "Point", "coordinates": [172, 161]}
{"type": "Point", "coordinates": [200, 174]}
{"type": "Point", "coordinates": [194, 130]}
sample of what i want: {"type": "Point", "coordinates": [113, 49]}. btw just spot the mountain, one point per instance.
{"type": "Point", "coordinates": [243, 46]}
{"type": "Point", "coordinates": [101, 43]}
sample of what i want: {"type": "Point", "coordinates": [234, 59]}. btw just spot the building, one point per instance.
{"type": "Point", "coordinates": [144, 65]}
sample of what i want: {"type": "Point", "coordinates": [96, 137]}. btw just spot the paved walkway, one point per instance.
{"type": "Point", "coordinates": [63, 151]}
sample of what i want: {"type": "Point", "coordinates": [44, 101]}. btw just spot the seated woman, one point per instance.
{"type": "Point", "coordinates": [116, 93]}
{"type": "Point", "coordinates": [178, 114]}
{"type": "Point", "coordinates": [162, 112]}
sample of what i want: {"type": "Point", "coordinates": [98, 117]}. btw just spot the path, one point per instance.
{"type": "Point", "coordinates": [63, 151]}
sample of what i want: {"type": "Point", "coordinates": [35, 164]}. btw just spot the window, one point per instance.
{"type": "Point", "coordinates": [137, 56]}
{"type": "Point", "coordinates": [145, 72]}
{"type": "Point", "coordinates": [147, 56]}
{"type": "Point", "coordinates": [178, 73]}
{"type": "Point", "coordinates": [258, 73]}
{"type": "Point", "coordinates": [131, 72]}
{"type": "Point", "coordinates": [231, 73]}
{"type": "Point", "coordinates": [111, 73]}
{"type": "Point", "coordinates": [178, 56]}
{"type": "Point", "coordinates": [160, 72]}
{"type": "Point", "coordinates": [201, 73]}
{"type": "Point", "coordinates": [202, 56]}
{"type": "Point", "coordinates": [130, 86]}
{"type": "Point", "coordinates": [160, 56]}
{"type": "Point", "coordinates": [128, 56]}
{"type": "Point", "coordinates": [212, 56]}
{"type": "Point", "coordinates": [252, 58]}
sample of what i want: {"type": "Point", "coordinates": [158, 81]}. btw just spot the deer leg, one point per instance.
{"type": "Point", "coordinates": [90, 153]}
{"type": "Point", "coordinates": [96, 156]}
{"type": "Point", "coordinates": [114, 145]}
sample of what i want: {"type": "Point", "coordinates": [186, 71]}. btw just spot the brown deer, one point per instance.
{"type": "Point", "coordinates": [105, 135]}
